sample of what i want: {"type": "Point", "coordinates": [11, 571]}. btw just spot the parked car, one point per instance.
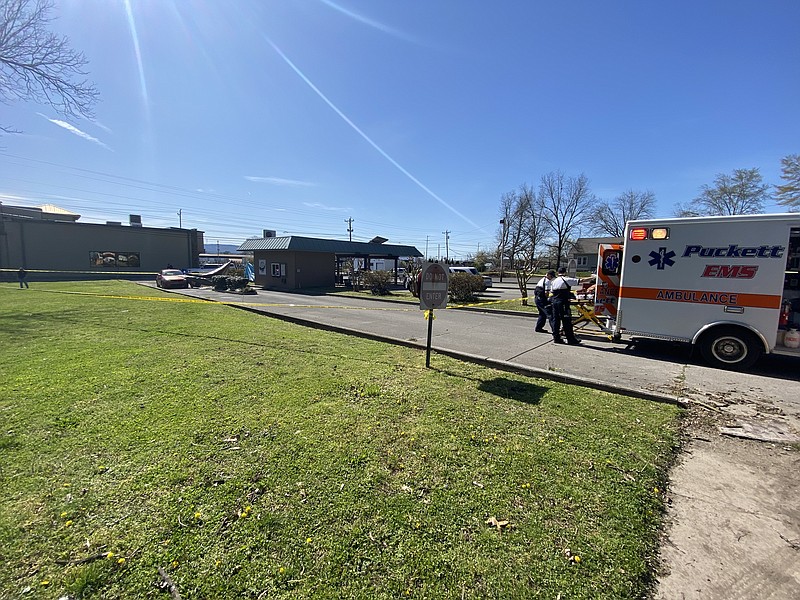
{"type": "Point", "coordinates": [171, 278]}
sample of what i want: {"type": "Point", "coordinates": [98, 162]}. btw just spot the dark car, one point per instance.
{"type": "Point", "coordinates": [171, 278]}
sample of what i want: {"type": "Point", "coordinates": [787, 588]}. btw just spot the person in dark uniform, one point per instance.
{"type": "Point", "coordinates": [561, 288]}
{"type": "Point", "coordinates": [541, 296]}
{"type": "Point", "coordinates": [21, 274]}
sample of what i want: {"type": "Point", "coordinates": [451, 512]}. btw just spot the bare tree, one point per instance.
{"type": "Point", "coordinates": [628, 206]}
{"type": "Point", "coordinates": [742, 193]}
{"type": "Point", "coordinates": [524, 228]}
{"type": "Point", "coordinates": [566, 204]}
{"type": "Point", "coordinates": [788, 194]}
{"type": "Point", "coordinates": [686, 210]}
{"type": "Point", "coordinates": [37, 65]}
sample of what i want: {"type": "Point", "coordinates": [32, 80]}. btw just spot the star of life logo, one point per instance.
{"type": "Point", "coordinates": [661, 259]}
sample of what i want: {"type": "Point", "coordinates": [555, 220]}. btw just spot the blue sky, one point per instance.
{"type": "Point", "coordinates": [411, 117]}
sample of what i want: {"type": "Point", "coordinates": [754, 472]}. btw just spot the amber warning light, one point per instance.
{"type": "Point", "coordinates": [639, 233]}
{"type": "Point", "coordinates": [659, 233]}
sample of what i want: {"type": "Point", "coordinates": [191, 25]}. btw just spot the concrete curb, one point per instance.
{"type": "Point", "coordinates": [483, 360]}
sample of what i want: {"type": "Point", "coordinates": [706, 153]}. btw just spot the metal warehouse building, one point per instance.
{"type": "Point", "coordinates": [49, 239]}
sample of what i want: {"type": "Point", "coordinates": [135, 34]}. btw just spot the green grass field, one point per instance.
{"type": "Point", "coordinates": [245, 457]}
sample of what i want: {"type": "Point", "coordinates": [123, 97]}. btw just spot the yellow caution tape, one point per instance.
{"type": "Point", "coordinates": [228, 302]}
{"type": "Point", "coordinates": [488, 303]}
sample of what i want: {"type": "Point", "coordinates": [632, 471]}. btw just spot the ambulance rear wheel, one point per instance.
{"type": "Point", "coordinates": [731, 348]}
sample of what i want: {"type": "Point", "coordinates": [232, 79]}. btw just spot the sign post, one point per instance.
{"type": "Point", "coordinates": [432, 294]}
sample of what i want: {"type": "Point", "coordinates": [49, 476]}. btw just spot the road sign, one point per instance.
{"type": "Point", "coordinates": [433, 286]}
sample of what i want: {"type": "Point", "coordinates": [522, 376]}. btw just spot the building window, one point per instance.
{"type": "Point", "coordinates": [105, 259]}
{"type": "Point", "coordinates": [582, 261]}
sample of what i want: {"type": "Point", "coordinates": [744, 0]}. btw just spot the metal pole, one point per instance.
{"type": "Point", "coordinates": [428, 346]}
{"type": "Point", "coordinates": [502, 247]}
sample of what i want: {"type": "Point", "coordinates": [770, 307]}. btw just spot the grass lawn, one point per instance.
{"type": "Point", "coordinates": [244, 457]}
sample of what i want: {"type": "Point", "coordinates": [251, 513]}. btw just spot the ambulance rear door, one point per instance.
{"type": "Point", "coordinates": [606, 292]}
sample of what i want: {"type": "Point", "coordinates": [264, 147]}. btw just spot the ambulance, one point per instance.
{"type": "Point", "coordinates": [730, 286]}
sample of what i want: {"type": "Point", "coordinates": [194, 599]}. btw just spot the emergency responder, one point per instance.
{"type": "Point", "coordinates": [561, 289]}
{"type": "Point", "coordinates": [541, 296]}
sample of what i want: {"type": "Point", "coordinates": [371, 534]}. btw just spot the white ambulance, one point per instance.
{"type": "Point", "coordinates": [730, 286]}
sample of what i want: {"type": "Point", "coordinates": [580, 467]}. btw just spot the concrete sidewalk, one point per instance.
{"type": "Point", "coordinates": [734, 512]}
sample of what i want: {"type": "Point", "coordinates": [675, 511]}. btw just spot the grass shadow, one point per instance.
{"type": "Point", "coordinates": [20, 323]}
{"type": "Point", "coordinates": [511, 389]}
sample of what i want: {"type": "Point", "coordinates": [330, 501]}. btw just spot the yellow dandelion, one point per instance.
{"type": "Point", "coordinates": [65, 485]}
{"type": "Point", "coordinates": [308, 540]}
{"type": "Point", "coordinates": [577, 559]}
{"type": "Point", "coordinates": [45, 582]}
{"type": "Point", "coordinates": [197, 515]}
{"type": "Point", "coordinates": [63, 514]}
{"type": "Point", "coordinates": [121, 561]}
{"type": "Point", "coordinates": [68, 523]}
{"type": "Point", "coordinates": [656, 490]}
{"type": "Point", "coordinates": [282, 570]}
{"type": "Point", "coordinates": [174, 563]}
{"type": "Point", "coordinates": [109, 555]}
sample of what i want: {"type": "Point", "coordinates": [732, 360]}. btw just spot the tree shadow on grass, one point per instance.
{"type": "Point", "coordinates": [20, 324]}
{"type": "Point", "coordinates": [521, 391]}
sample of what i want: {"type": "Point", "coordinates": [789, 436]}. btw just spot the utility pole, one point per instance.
{"type": "Point", "coordinates": [180, 218]}
{"type": "Point", "coordinates": [350, 227]}
{"type": "Point", "coordinates": [427, 237]}
{"type": "Point", "coordinates": [447, 245]}
{"type": "Point", "coordinates": [502, 247]}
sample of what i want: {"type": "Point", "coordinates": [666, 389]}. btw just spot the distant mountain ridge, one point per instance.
{"type": "Point", "coordinates": [212, 248]}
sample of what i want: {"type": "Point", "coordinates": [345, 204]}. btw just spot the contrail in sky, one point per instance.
{"type": "Point", "coordinates": [75, 130]}
{"type": "Point", "coordinates": [366, 21]}
{"type": "Point", "coordinates": [364, 135]}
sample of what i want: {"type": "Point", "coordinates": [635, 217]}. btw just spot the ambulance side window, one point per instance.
{"type": "Point", "coordinates": [612, 261]}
